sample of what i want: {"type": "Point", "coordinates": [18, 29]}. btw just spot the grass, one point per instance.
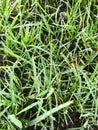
{"type": "Point", "coordinates": [48, 64]}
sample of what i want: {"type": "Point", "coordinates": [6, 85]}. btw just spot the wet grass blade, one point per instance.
{"type": "Point", "coordinates": [28, 107]}
{"type": "Point", "coordinates": [48, 113]}
{"type": "Point", "coordinates": [92, 58]}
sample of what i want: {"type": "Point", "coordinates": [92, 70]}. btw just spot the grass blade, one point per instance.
{"type": "Point", "coordinates": [48, 113]}
{"type": "Point", "coordinates": [92, 58]}
{"type": "Point", "coordinates": [14, 120]}
{"type": "Point", "coordinates": [28, 107]}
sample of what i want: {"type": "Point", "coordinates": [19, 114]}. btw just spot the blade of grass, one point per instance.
{"type": "Point", "coordinates": [92, 58]}
{"type": "Point", "coordinates": [48, 113]}
{"type": "Point", "coordinates": [28, 107]}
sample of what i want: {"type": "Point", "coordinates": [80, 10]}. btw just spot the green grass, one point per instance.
{"type": "Point", "coordinates": [48, 64]}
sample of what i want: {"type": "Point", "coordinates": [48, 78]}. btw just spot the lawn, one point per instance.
{"type": "Point", "coordinates": [48, 65]}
